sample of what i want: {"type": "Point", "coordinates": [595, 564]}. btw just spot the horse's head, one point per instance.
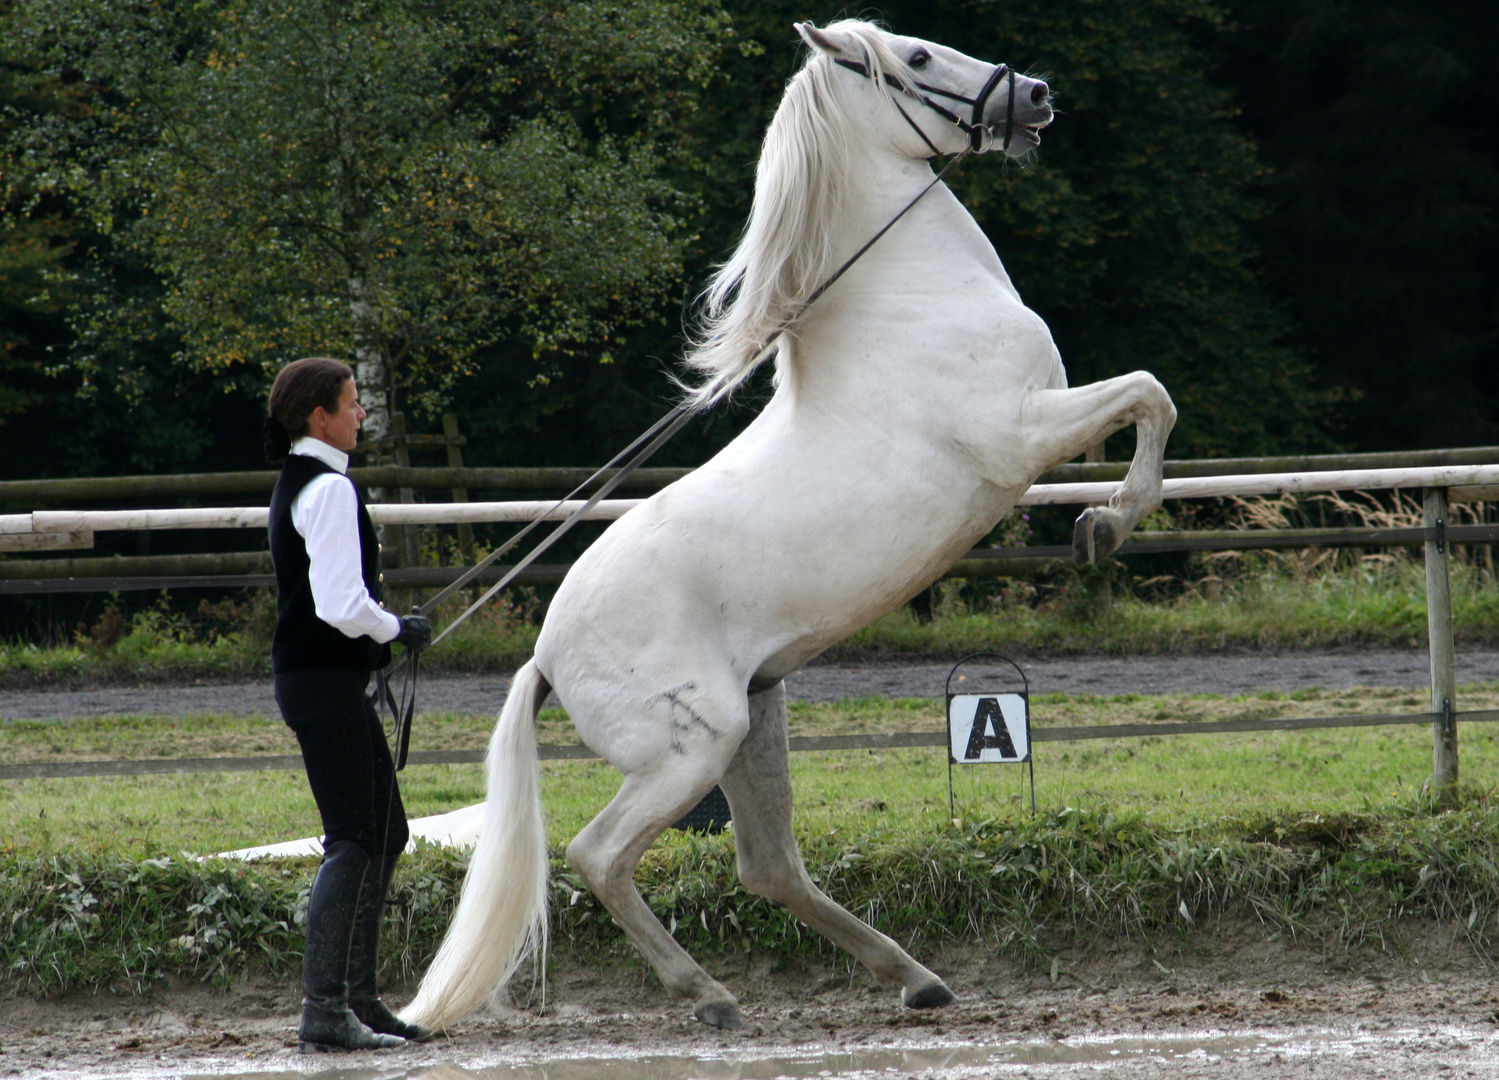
{"type": "Point", "coordinates": [946, 100]}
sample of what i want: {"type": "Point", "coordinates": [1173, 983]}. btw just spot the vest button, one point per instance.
{"type": "Point", "coordinates": [382, 577]}
{"type": "Point", "coordinates": [380, 548]}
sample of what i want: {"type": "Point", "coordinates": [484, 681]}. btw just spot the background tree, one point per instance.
{"type": "Point", "coordinates": [1130, 231]}
{"type": "Point", "coordinates": [1380, 121]}
{"type": "Point", "coordinates": [390, 180]}
{"type": "Point", "coordinates": [1303, 273]}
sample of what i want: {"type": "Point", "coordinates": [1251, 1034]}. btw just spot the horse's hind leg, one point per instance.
{"type": "Point", "coordinates": [609, 848]}
{"type": "Point", "coordinates": [1064, 423]}
{"type": "Point", "coordinates": [758, 785]}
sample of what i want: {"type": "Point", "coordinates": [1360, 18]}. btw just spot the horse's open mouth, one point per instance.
{"type": "Point", "coordinates": [1023, 137]}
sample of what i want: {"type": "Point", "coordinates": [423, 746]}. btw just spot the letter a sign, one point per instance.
{"type": "Point", "coordinates": [985, 728]}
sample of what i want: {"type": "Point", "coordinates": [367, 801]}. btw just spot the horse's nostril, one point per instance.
{"type": "Point", "coordinates": [1039, 93]}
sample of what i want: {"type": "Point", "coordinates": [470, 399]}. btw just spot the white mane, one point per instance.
{"type": "Point", "coordinates": [786, 250]}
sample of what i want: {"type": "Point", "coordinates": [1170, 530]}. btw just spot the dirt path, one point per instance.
{"type": "Point", "coordinates": [1227, 673]}
{"type": "Point", "coordinates": [1239, 1004]}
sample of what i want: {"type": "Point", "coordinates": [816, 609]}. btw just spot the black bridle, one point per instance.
{"type": "Point", "coordinates": [974, 128]}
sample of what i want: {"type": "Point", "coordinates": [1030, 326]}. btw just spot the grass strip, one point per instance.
{"type": "Point", "coordinates": [1275, 602]}
{"type": "Point", "coordinates": [90, 920]}
{"type": "Point", "coordinates": [1268, 612]}
{"type": "Point", "coordinates": [1180, 781]}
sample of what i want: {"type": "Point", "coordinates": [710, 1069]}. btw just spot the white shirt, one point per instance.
{"type": "Point", "coordinates": [325, 514]}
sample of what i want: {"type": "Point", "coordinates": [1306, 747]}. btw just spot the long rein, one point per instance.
{"type": "Point", "coordinates": [659, 433]}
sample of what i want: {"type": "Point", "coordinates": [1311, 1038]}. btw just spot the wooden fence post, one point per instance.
{"type": "Point", "coordinates": [460, 494]}
{"type": "Point", "coordinates": [410, 556]}
{"type": "Point", "coordinates": [402, 538]}
{"type": "Point", "coordinates": [1439, 637]}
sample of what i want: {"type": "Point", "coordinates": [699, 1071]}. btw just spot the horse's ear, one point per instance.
{"type": "Point", "coordinates": [831, 42]}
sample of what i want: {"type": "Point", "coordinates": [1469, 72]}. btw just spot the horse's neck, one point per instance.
{"type": "Point", "coordinates": [880, 186]}
{"type": "Point", "coordinates": [916, 282]}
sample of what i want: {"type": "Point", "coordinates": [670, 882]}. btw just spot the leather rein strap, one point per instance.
{"type": "Point", "coordinates": [974, 127]}
{"type": "Point", "coordinates": [653, 439]}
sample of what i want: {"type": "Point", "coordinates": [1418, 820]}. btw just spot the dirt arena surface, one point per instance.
{"type": "Point", "coordinates": [1217, 673]}
{"type": "Point", "coordinates": [1232, 1001]}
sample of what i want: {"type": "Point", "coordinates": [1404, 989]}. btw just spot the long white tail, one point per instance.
{"type": "Point", "coordinates": [501, 916]}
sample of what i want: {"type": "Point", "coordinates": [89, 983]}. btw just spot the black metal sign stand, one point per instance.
{"type": "Point", "coordinates": [985, 725]}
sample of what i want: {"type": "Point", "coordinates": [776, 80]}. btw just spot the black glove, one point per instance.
{"type": "Point", "coordinates": [416, 632]}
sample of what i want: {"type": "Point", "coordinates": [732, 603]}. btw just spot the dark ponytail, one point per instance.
{"type": "Point", "coordinates": [302, 387]}
{"type": "Point", "coordinates": [277, 441]}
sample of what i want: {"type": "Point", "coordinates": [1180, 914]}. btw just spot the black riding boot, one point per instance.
{"type": "Point", "coordinates": [364, 956]}
{"type": "Point", "coordinates": [327, 1022]}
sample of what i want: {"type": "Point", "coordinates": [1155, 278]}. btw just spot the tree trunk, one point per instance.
{"type": "Point", "coordinates": [373, 376]}
{"type": "Point", "coordinates": [370, 369]}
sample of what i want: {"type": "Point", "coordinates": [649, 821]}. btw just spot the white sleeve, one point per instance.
{"type": "Point", "coordinates": [326, 515]}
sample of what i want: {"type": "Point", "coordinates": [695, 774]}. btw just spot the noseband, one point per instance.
{"type": "Point", "coordinates": [974, 128]}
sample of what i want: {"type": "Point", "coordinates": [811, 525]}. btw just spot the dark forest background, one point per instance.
{"type": "Point", "coordinates": [1285, 209]}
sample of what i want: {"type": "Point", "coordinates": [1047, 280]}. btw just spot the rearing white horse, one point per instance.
{"type": "Point", "coordinates": [914, 403]}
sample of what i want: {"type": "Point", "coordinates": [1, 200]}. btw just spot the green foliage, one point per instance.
{"type": "Point", "coordinates": [86, 921]}
{"type": "Point", "coordinates": [76, 921]}
{"type": "Point", "coordinates": [390, 180]}
{"type": "Point", "coordinates": [1130, 231]}
{"type": "Point", "coordinates": [632, 131]}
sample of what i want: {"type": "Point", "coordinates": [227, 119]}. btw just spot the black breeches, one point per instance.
{"type": "Point", "coordinates": [347, 758]}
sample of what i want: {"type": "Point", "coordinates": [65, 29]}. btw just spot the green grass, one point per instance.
{"type": "Point", "coordinates": [1261, 611]}
{"type": "Point", "coordinates": [1322, 833]}
{"type": "Point", "coordinates": [1027, 886]}
{"type": "Point", "coordinates": [1266, 602]}
{"type": "Point", "coordinates": [1175, 781]}
{"type": "Point", "coordinates": [160, 645]}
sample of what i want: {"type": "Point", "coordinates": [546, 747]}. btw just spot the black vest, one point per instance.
{"type": "Point", "coordinates": [304, 642]}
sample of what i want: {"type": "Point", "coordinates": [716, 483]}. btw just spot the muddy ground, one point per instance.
{"type": "Point", "coordinates": [1231, 1001]}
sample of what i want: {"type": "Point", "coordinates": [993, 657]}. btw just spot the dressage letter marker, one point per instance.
{"type": "Point", "coordinates": [988, 728]}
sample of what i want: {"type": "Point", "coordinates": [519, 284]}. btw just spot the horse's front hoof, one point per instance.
{"type": "Point", "coordinates": [933, 996]}
{"type": "Point", "coordinates": [723, 1015]}
{"type": "Point", "coordinates": [1094, 537]}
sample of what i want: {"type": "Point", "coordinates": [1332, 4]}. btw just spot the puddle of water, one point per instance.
{"type": "Point", "coordinates": [895, 1062]}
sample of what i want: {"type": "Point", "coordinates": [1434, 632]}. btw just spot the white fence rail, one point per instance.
{"type": "Point", "coordinates": [1472, 481]}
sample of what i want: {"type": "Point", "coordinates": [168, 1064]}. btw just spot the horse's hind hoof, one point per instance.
{"type": "Point", "coordinates": [934, 996]}
{"type": "Point", "coordinates": [1094, 536]}
{"type": "Point", "coordinates": [723, 1015]}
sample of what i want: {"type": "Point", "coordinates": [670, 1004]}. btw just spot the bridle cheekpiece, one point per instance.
{"type": "Point", "coordinates": [974, 127]}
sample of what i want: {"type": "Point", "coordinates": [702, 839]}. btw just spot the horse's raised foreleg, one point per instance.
{"type": "Point", "coordinates": [1063, 423]}
{"type": "Point", "coordinates": [609, 848]}
{"type": "Point", "coordinates": [758, 785]}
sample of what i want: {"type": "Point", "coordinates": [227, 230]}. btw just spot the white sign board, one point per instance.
{"type": "Point", "coordinates": [985, 728]}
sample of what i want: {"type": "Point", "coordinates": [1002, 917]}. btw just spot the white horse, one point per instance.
{"type": "Point", "coordinates": [914, 403]}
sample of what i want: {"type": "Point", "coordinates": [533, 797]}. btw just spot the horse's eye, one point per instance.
{"type": "Point", "coordinates": [919, 58]}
